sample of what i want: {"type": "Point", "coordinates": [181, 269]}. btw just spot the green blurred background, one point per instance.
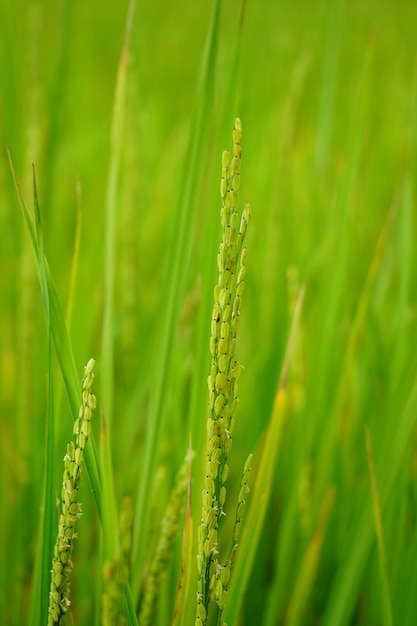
{"type": "Point", "coordinates": [326, 92]}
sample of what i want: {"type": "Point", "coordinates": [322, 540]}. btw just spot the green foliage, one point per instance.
{"type": "Point", "coordinates": [126, 133]}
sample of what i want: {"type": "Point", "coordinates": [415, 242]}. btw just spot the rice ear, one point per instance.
{"type": "Point", "coordinates": [222, 381]}
{"type": "Point", "coordinates": [59, 600]}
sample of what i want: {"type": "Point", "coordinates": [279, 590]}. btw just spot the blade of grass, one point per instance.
{"type": "Point", "coordinates": [328, 82]}
{"type": "Point", "coordinates": [323, 383]}
{"type": "Point", "coordinates": [187, 561]}
{"type": "Point", "coordinates": [343, 396]}
{"type": "Point", "coordinates": [62, 346]}
{"type": "Point", "coordinates": [338, 266]}
{"type": "Point", "coordinates": [344, 590]}
{"type": "Point", "coordinates": [132, 619]}
{"type": "Point", "coordinates": [410, 605]}
{"type": "Point", "coordinates": [358, 327]}
{"type": "Point", "coordinates": [198, 394]}
{"type": "Point", "coordinates": [276, 596]}
{"type": "Point", "coordinates": [261, 489]}
{"type": "Point", "coordinates": [210, 228]}
{"type": "Point", "coordinates": [38, 612]}
{"type": "Point", "coordinates": [379, 530]}
{"type": "Point", "coordinates": [11, 114]}
{"type": "Point", "coordinates": [75, 257]}
{"type": "Point", "coordinates": [109, 520]}
{"type": "Point", "coordinates": [49, 518]}
{"type": "Point", "coordinates": [233, 91]}
{"type": "Point", "coordinates": [406, 273]}
{"type": "Point", "coordinates": [110, 535]}
{"type": "Point", "coordinates": [59, 388]}
{"type": "Point", "coordinates": [178, 254]}
{"type": "Point", "coordinates": [309, 564]}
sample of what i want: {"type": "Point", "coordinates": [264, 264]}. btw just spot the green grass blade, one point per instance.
{"type": "Point", "coordinates": [187, 560]}
{"type": "Point", "coordinates": [49, 515]}
{"type": "Point", "coordinates": [232, 100]}
{"type": "Point", "coordinates": [36, 608]}
{"type": "Point", "coordinates": [38, 611]}
{"type": "Point", "coordinates": [344, 591]}
{"type": "Point", "coordinates": [198, 395]}
{"type": "Point", "coordinates": [262, 485]}
{"type": "Point", "coordinates": [410, 610]}
{"type": "Point", "coordinates": [323, 383]}
{"type": "Point", "coordinates": [110, 535]}
{"type": "Point", "coordinates": [347, 372]}
{"type": "Point", "coordinates": [109, 525]}
{"type": "Point", "coordinates": [57, 96]}
{"type": "Point", "coordinates": [339, 256]}
{"type": "Point", "coordinates": [406, 273]}
{"type": "Point", "coordinates": [62, 347]}
{"type": "Point", "coordinates": [116, 142]}
{"type": "Point", "coordinates": [328, 82]}
{"type": "Point", "coordinates": [132, 619]}
{"type": "Point", "coordinates": [75, 257]}
{"type": "Point", "coordinates": [179, 255]}
{"type": "Point", "coordinates": [376, 505]}
{"type": "Point", "coordinates": [297, 613]}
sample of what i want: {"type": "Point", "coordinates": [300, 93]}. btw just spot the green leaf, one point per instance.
{"type": "Point", "coordinates": [174, 291]}
{"type": "Point", "coordinates": [62, 346]}
{"type": "Point", "coordinates": [261, 489]}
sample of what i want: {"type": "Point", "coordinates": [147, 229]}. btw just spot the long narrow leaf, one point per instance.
{"type": "Point", "coordinates": [63, 348]}
{"type": "Point", "coordinates": [345, 586]}
{"type": "Point", "coordinates": [175, 288]}
{"type": "Point", "coordinates": [40, 591]}
{"type": "Point", "coordinates": [49, 517]}
{"type": "Point", "coordinates": [376, 505]}
{"type": "Point", "coordinates": [263, 482]}
{"type": "Point", "coordinates": [308, 569]}
{"type": "Point", "coordinates": [110, 537]}
{"type": "Point", "coordinates": [186, 566]}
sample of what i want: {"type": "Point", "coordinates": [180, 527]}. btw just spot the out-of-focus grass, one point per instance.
{"type": "Point", "coordinates": [327, 95]}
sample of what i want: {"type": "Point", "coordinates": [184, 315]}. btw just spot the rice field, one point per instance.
{"type": "Point", "coordinates": [208, 365]}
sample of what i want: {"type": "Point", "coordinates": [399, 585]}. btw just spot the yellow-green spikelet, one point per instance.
{"type": "Point", "coordinates": [225, 370]}
{"type": "Point", "coordinates": [116, 572]}
{"type": "Point", "coordinates": [70, 507]}
{"type": "Point", "coordinates": [169, 531]}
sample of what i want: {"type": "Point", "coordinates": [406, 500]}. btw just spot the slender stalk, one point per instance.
{"type": "Point", "coordinates": [70, 507]}
{"type": "Point", "coordinates": [222, 381]}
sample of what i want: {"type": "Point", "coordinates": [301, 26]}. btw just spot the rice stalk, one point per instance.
{"type": "Point", "coordinates": [116, 572]}
{"type": "Point", "coordinates": [222, 381]}
{"type": "Point", "coordinates": [59, 600]}
{"type": "Point", "coordinates": [169, 531]}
